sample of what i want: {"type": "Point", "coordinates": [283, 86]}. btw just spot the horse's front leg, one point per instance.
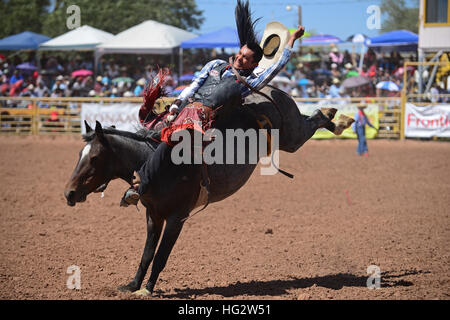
{"type": "Point", "coordinates": [154, 228]}
{"type": "Point", "coordinates": [172, 230]}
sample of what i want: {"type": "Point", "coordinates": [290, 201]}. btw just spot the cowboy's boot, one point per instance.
{"type": "Point", "coordinates": [131, 196]}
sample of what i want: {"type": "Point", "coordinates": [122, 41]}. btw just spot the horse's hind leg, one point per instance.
{"type": "Point", "coordinates": [170, 236]}
{"type": "Point", "coordinates": [154, 227]}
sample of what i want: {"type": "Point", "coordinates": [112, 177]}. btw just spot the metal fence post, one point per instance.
{"type": "Point", "coordinates": [35, 118]}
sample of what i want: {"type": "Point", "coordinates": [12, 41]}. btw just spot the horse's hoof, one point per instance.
{"type": "Point", "coordinates": [142, 293]}
{"type": "Point", "coordinates": [329, 112]}
{"type": "Point", "coordinates": [127, 288]}
{"type": "Point", "coordinates": [343, 123]}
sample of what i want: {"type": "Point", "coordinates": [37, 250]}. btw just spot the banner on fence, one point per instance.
{"type": "Point", "coordinates": [427, 122]}
{"type": "Point", "coordinates": [372, 112]}
{"type": "Point", "coordinates": [125, 116]}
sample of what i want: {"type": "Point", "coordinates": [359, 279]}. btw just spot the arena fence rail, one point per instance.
{"type": "Point", "coordinates": [62, 116]}
{"type": "Point", "coordinates": [388, 111]}
{"type": "Point", "coordinates": [52, 116]}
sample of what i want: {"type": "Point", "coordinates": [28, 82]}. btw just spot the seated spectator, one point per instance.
{"type": "Point", "coordinates": [334, 88]}
{"type": "Point", "coordinates": [59, 84]}
{"type": "Point", "coordinates": [370, 57]}
{"type": "Point", "coordinates": [149, 73]}
{"type": "Point", "coordinates": [364, 72]}
{"type": "Point", "coordinates": [92, 94]}
{"type": "Point", "coordinates": [335, 73]}
{"type": "Point", "coordinates": [139, 90]}
{"type": "Point", "coordinates": [15, 77]}
{"type": "Point", "coordinates": [98, 86]}
{"type": "Point", "coordinates": [28, 91]}
{"type": "Point", "coordinates": [106, 81]}
{"type": "Point", "coordinates": [350, 71]}
{"type": "Point", "coordinates": [372, 72]}
{"type": "Point", "coordinates": [87, 64]}
{"type": "Point", "coordinates": [169, 86]}
{"type": "Point", "coordinates": [53, 65]}
{"type": "Point", "coordinates": [114, 93]}
{"type": "Point", "coordinates": [44, 104]}
{"type": "Point", "coordinates": [336, 57]}
{"type": "Point", "coordinates": [298, 73]}
{"type": "Point", "coordinates": [347, 58]}
{"type": "Point", "coordinates": [296, 92]}
{"type": "Point", "coordinates": [57, 93]}
{"type": "Point", "coordinates": [16, 88]}
{"type": "Point", "coordinates": [76, 86]}
{"type": "Point", "coordinates": [112, 69]}
{"type": "Point", "coordinates": [434, 93]}
{"type": "Point", "coordinates": [87, 85]}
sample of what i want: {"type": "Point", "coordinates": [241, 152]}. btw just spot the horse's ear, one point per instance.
{"type": "Point", "coordinates": [98, 129]}
{"type": "Point", "coordinates": [88, 128]}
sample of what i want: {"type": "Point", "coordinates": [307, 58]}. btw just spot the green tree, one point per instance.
{"type": "Point", "coordinates": [21, 15]}
{"type": "Point", "coordinates": [117, 15]}
{"type": "Point", "coordinates": [400, 16]}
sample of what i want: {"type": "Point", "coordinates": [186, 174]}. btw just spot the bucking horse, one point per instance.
{"type": "Point", "coordinates": [111, 154]}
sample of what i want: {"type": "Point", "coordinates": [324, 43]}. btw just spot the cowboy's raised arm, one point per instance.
{"type": "Point", "coordinates": [296, 35]}
{"type": "Point", "coordinates": [264, 77]}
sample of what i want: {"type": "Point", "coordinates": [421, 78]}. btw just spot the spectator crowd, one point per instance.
{"type": "Point", "coordinates": [326, 73]}
{"type": "Point", "coordinates": [309, 74]}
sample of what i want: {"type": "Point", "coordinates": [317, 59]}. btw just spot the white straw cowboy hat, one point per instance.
{"type": "Point", "coordinates": [274, 39]}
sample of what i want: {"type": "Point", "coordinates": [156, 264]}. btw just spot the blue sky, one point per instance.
{"type": "Point", "coordinates": [341, 18]}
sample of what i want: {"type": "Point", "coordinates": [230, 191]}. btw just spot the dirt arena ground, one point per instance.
{"type": "Point", "coordinates": [308, 238]}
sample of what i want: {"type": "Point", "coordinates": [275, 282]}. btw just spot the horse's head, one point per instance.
{"type": "Point", "coordinates": [93, 168]}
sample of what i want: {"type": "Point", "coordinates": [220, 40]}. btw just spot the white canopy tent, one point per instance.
{"type": "Point", "coordinates": [148, 37]}
{"type": "Point", "coordinates": [80, 39]}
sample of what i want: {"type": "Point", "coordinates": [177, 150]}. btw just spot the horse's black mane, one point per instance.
{"type": "Point", "coordinates": [140, 135]}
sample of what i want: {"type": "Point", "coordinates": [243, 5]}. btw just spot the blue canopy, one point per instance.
{"type": "Point", "coordinates": [320, 40]}
{"type": "Point", "coordinates": [394, 38]}
{"type": "Point", "coordinates": [21, 41]}
{"type": "Point", "coordinates": [223, 38]}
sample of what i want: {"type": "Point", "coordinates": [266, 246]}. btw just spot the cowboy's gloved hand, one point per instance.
{"type": "Point", "coordinates": [173, 110]}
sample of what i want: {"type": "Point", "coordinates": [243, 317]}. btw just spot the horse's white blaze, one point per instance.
{"type": "Point", "coordinates": [85, 151]}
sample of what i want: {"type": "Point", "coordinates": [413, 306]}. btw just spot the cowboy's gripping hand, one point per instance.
{"type": "Point", "coordinates": [296, 35]}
